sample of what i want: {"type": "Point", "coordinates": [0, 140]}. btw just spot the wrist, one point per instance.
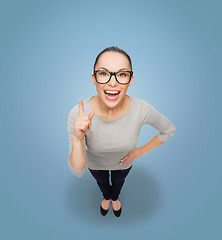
{"type": "Point", "coordinates": [142, 151]}
{"type": "Point", "coordinates": [76, 140]}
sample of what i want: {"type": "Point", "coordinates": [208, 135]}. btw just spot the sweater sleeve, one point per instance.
{"type": "Point", "coordinates": [70, 128]}
{"type": "Point", "coordinates": [157, 120]}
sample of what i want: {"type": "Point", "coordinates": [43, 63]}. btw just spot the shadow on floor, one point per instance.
{"type": "Point", "coordinates": [141, 198]}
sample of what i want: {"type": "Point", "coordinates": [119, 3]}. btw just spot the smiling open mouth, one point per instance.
{"type": "Point", "coordinates": [111, 95]}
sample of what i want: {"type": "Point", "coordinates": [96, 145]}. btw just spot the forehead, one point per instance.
{"type": "Point", "coordinates": [113, 61]}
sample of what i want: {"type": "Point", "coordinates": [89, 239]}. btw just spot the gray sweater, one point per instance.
{"type": "Point", "coordinates": [108, 141]}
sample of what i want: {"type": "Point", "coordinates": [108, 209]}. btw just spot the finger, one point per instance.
{"type": "Point", "coordinates": [91, 115]}
{"type": "Point", "coordinates": [81, 108]}
{"type": "Point", "coordinates": [83, 127]}
{"type": "Point", "coordinates": [125, 161]}
{"type": "Point", "coordinates": [122, 161]}
{"type": "Point", "coordinates": [82, 123]}
{"type": "Point", "coordinates": [85, 124]}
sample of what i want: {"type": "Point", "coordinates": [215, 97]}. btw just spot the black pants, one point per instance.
{"type": "Point", "coordinates": [117, 179]}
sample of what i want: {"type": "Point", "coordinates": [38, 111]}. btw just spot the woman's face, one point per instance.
{"type": "Point", "coordinates": [113, 62]}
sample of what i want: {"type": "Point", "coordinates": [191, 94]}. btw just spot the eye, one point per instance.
{"type": "Point", "coordinates": [122, 74]}
{"type": "Point", "coordinates": [102, 73]}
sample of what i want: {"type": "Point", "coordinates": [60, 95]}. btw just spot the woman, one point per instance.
{"type": "Point", "coordinates": [104, 130]}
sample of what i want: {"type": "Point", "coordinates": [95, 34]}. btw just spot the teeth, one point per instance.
{"type": "Point", "coordinates": [112, 92]}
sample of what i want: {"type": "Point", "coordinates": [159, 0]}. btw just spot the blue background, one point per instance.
{"type": "Point", "coordinates": [48, 49]}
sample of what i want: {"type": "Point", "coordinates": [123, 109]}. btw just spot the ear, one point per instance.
{"type": "Point", "coordinates": [131, 81]}
{"type": "Point", "coordinates": [93, 78]}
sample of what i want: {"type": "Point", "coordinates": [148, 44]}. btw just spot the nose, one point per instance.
{"type": "Point", "coordinates": [112, 81]}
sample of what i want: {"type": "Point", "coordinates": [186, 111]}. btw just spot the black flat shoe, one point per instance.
{"type": "Point", "coordinates": [103, 211]}
{"type": "Point", "coordinates": [117, 212]}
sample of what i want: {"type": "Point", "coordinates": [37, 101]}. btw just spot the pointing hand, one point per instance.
{"type": "Point", "coordinates": [82, 122]}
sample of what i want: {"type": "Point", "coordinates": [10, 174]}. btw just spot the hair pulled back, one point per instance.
{"type": "Point", "coordinates": [113, 49]}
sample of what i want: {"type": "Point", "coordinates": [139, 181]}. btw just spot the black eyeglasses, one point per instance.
{"type": "Point", "coordinates": [104, 76]}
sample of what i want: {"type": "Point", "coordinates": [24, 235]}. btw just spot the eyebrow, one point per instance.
{"type": "Point", "coordinates": [118, 70]}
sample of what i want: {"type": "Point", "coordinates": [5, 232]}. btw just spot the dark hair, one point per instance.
{"type": "Point", "coordinates": [113, 49]}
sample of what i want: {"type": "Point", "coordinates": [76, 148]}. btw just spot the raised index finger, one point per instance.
{"type": "Point", "coordinates": [81, 108]}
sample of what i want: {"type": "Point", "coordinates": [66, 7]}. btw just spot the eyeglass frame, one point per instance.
{"type": "Point", "coordinates": [113, 73]}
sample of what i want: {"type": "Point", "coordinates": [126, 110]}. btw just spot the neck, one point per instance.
{"type": "Point", "coordinates": [115, 110]}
